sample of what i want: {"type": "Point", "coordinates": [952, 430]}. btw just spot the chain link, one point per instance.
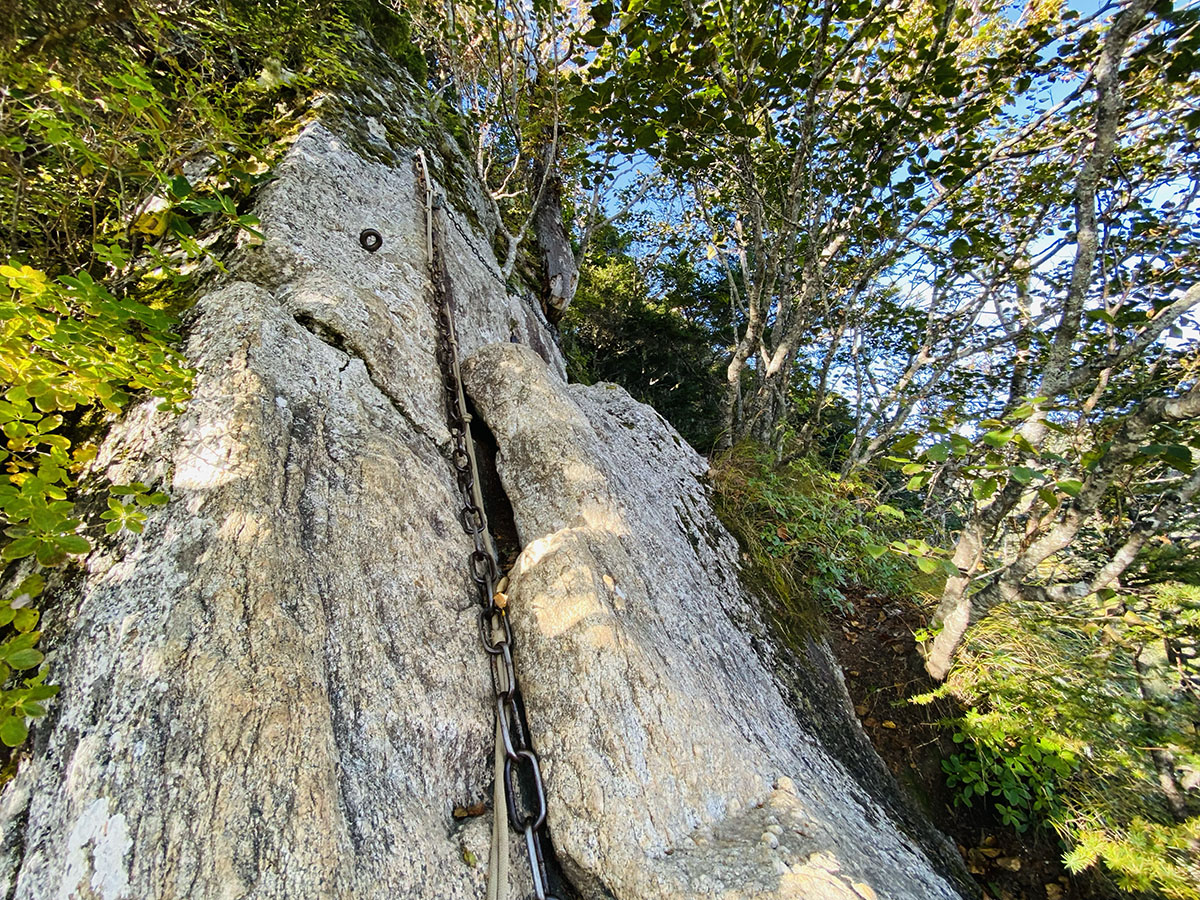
{"type": "Point", "coordinates": [470, 242]}
{"type": "Point", "coordinates": [524, 789]}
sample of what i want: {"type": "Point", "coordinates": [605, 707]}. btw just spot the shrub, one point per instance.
{"type": "Point", "coordinates": [805, 531]}
{"type": "Point", "coordinates": [1083, 719]}
{"type": "Point", "coordinates": [132, 137]}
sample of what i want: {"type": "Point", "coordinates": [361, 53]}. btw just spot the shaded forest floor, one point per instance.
{"type": "Point", "coordinates": [883, 669]}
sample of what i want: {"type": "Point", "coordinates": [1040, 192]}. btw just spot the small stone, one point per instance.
{"type": "Point", "coordinates": [783, 783]}
{"type": "Point", "coordinates": [864, 890]}
{"type": "Point", "coordinates": [770, 839]}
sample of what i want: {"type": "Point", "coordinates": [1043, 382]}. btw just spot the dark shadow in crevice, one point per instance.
{"type": "Point", "coordinates": [496, 505]}
{"type": "Point", "coordinates": [503, 527]}
{"type": "Point", "coordinates": [330, 336]}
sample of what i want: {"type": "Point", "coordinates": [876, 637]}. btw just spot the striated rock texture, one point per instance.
{"type": "Point", "coordinates": [277, 691]}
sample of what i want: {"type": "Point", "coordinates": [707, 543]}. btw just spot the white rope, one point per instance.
{"type": "Point", "coordinates": [498, 855]}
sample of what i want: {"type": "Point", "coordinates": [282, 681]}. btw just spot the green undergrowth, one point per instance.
{"type": "Point", "coordinates": [1068, 706]}
{"type": "Point", "coordinates": [133, 137]}
{"type": "Point", "coordinates": [804, 532]}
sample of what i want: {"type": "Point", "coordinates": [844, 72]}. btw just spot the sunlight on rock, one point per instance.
{"type": "Point", "coordinates": [213, 460]}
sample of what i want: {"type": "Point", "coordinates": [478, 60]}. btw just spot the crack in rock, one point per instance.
{"type": "Point", "coordinates": [329, 335]}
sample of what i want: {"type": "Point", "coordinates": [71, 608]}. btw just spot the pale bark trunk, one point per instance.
{"type": "Point", "coordinates": [957, 611]}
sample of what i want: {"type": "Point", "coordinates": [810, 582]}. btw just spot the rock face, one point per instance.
{"type": "Point", "coordinates": [277, 691]}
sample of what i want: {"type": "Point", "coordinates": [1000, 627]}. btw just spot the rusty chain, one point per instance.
{"type": "Point", "coordinates": [524, 789]}
{"type": "Point", "coordinates": [499, 279]}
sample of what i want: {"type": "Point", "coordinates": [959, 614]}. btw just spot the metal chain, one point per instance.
{"type": "Point", "coordinates": [524, 790]}
{"type": "Point", "coordinates": [470, 242]}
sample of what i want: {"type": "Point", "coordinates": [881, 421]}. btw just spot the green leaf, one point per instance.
{"type": "Point", "coordinates": [25, 619]}
{"type": "Point", "coordinates": [1022, 474]}
{"type": "Point", "coordinates": [123, 490]}
{"type": "Point", "coordinates": [959, 445]}
{"type": "Point", "coordinates": [180, 187]}
{"type": "Point", "coordinates": [73, 543]}
{"type": "Point", "coordinates": [1177, 456]}
{"type": "Point", "coordinates": [13, 731]}
{"type": "Point", "coordinates": [21, 548]}
{"type": "Point", "coordinates": [875, 551]}
{"type": "Point", "coordinates": [1101, 315]}
{"type": "Point", "coordinates": [927, 564]}
{"type": "Point", "coordinates": [50, 555]}
{"type": "Point", "coordinates": [999, 438]}
{"type": "Point", "coordinates": [983, 488]}
{"type": "Point", "coordinates": [938, 452]}
{"type": "Point", "coordinates": [25, 659]}
{"type": "Point", "coordinates": [1070, 486]}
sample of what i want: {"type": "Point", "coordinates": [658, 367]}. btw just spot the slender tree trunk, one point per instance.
{"type": "Point", "coordinates": [561, 273]}
{"type": "Point", "coordinates": [957, 610]}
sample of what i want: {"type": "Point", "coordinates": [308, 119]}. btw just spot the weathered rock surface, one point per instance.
{"type": "Point", "coordinates": [678, 768]}
{"type": "Point", "coordinates": [277, 691]}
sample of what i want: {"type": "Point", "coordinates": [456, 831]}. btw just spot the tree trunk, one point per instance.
{"type": "Point", "coordinates": [957, 611]}
{"type": "Point", "coordinates": [559, 270]}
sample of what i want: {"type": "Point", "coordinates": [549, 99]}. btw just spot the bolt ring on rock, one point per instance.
{"type": "Point", "coordinates": [370, 239]}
